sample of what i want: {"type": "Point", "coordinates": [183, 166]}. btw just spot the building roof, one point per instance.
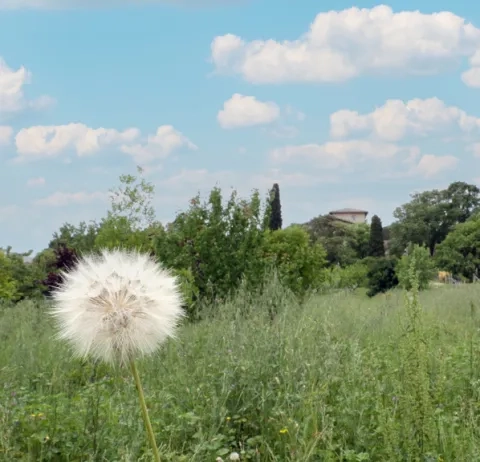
{"type": "Point", "coordinates": [347, 210]}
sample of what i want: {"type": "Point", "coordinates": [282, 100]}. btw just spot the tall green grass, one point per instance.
{"type": "Point", "coordinates": [340, 378]}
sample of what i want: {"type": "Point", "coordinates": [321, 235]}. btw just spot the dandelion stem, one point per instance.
{"type": "Point", "coordinates": [146, 418]}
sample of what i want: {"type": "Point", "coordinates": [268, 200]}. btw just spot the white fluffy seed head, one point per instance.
{"type": "Point", "coordinates": [117, 305]}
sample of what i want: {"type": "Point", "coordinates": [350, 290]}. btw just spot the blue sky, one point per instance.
{"type": "Point", "coordinates": [347, 105]}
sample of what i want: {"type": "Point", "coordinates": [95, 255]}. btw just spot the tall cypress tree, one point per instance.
{"type": "Point", "coordinates": [276, 208]}
{"type": "Point", "coordinates": [376, 246]}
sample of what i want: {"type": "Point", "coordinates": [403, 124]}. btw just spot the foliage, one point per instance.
{"type": "Point", "coordinates": [459, 253]}
{"type": "Point", "coordinates": [431, 215]}
{"type": "Point", "coordinates": [419, 261]}
{"type": "Point", "coordinates": [348, 277]}
{"type": "Point", "coordinates": [344, 243]}
{"type": "Point", "coordinates": [299, 264]}
{"type": "Point", "coordinates": [81, 238]}
{"type": "Point", "coordinates": [219, 243]}
{"type": "Point", "coordinates": [132, 199]}
{"type": "Point", "coordinates": [8, 285]}
{"type": "Point", "coordinates": [118, 232]}
{"type": "Point", "coordinates": [65, 258]}
{"type": "Point", "coordinates": [275, 208]}
{"type": "Point", "coordinates": [381, 276]}
{"type": "Point", "coordinates": [341, 377]}
{"type": "Point", "coordinates": [376, 246]}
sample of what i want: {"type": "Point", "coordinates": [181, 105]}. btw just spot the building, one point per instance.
{"type": "Point", "coordinates": [350, 215]}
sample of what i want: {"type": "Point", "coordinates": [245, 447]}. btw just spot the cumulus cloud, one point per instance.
{"type": "Point", "coordinates": [244, 111]}
{"type": "Point", "coordinates": [430, 165]}
{"type": "Point", "coordinates": [159, 146]}
{"type": "Point", "coordinates": [61, 199]}
{"type": "Point", "coordinates": [341, 45]}
{"type": "Point", "coordinates": [396, 119]}
{"type": "Point", "coordinates": [5, 134]}
{"type": "Point", "coordinates": [471, 77]}
{"type": "Point", "coordinates": [335, 154]}
{"type": "Point", "coordinates": [50, 141]}
{"type": "Point", "coordinates": [12, 97]}
{"type": "Point", "coordinates": [35, 182]}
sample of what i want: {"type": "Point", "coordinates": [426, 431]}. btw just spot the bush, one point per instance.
{"type": "Point", "coordinates": [351, 276]}
{"type": "Point", "coordinates": [299, 264]}
{"type": "Point", "coordinates": [381, 276]}
{"type": "Point", "coordinates": [424, 267]}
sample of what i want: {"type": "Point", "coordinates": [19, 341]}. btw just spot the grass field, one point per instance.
{"type": "Point", "coordinates": [342, 378]}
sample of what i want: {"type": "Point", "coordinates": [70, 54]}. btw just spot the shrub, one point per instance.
{"type": "Point", "coordinates": [346, 278]}
{"type": "Point", "coordinates": [381, 276]}
{"type": "Point", "coordinates": [423, 267]}
{"type": "Point", "coordinates": [299, 264]}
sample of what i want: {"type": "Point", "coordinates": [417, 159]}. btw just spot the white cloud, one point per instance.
{"type": "Point", "coordinates": [159, 146]}
{"type": "Point", "coordinates": [50, 141]}
{"type": "Point", "coordinates": [12, 98]}
{"type": "Point", "coordinates": [34, 182]}
{"type": "Point", "coordinates": [335, 154]}
{"type": "Point", "coordinates": [244, 111]}
{"type": "Point", "coordinates": [5, 135]}
{"type": "Point", "coordinates": [341, 45]}
{"type": "Point", "coordinates": [431, 165]}
{"type": "Point", "coordinates": [475, 148]}
{"type": "Point", "coordinates": [396, 119]}
{"type": "Point", "coordinates": [472, 76]}
{"type": "Point", "coordinates": [61, 199]}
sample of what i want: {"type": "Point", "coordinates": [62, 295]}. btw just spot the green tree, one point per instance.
{"type": "Point", "coordinates": [8, 284]}
{"type": "Point", "coordinates": [430, 215]}
{"type": "Point", "coordinates": [345, 243]}
{"type": "Point", "coordinates": [81, 238]}
{"type": "Point", "coordinates": [376, 246]}
{"type": "Point", "coordinates": [419, 261]}
{"type": "Point", "coordinates": [132, 199]}
{"type": "Point", "coordinates": [275, 208]}
{"type": "Point", "coordinates": [130, 223]}
{"type": "Point", "coordinates": [299, 263]}
{"type": "Point", "coordinates": [381, 276]}
{"type": "Point", "coordinates": [220, 243]}
{"type": "Point", "coordinates": [26, 274]}
{"type": "Point", "coordinates": [459, 253]}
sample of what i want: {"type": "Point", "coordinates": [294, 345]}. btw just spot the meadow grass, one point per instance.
{"type": "Point", "coordinates": [339, 378]}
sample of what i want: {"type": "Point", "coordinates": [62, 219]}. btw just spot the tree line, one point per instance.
{"type": "Point", "coordinates": [221, 243]}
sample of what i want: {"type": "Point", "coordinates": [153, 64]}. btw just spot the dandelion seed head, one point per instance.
{"type": "Point", "coordinates": [117, 305]}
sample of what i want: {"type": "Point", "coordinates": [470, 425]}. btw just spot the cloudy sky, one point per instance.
{"type": "Point", "coordinates": [351, 105]}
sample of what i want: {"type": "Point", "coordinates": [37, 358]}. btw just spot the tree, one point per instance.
{"type": "Point", "coordinates": [430, 215]}
{"type": "Point", "coordinates": [345, 243]}
{"type": "Point", "coordinates": [8, 285]}
{"type": "Point", "coordinates": [459, 253]}
{"type": "Point", "coordinates": [133, 200]}
{"type": "Point", "coordinates": [275, 208]}
{"type": "Point", "coordinates": [219, 243]}
{"type": "Point", "coordinates": [65, 258]}
{"type": "Point", "coordinates": [81, 238]}
{"type": "Point", "coordinates": [376, 246]}
{"type": "Point", "coordinates": [300, 264]}
{"type": "Point", "coordinates": [381, 276]}
{"type": "Point", "coordinates": [424, 267]}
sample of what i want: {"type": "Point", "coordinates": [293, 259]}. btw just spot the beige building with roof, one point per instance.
{"type": "Point", "coordinates": [350, 215]}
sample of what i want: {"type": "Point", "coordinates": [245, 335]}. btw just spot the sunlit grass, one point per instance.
{"type": "Point", "coordinates": [319, 382]}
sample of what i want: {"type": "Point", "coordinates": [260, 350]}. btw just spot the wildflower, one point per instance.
{"type": "Point", "coordinates": [228, 419]}
{"type": "Point", "coordinates": [284, 431]}
{"type": "Point", "coordinates": [234, 456]}
{"type": "Point", "coordinates": [117, 305]}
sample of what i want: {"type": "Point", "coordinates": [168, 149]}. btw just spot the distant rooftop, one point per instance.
{"type": "Point", "coordinates": [347, 210]}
